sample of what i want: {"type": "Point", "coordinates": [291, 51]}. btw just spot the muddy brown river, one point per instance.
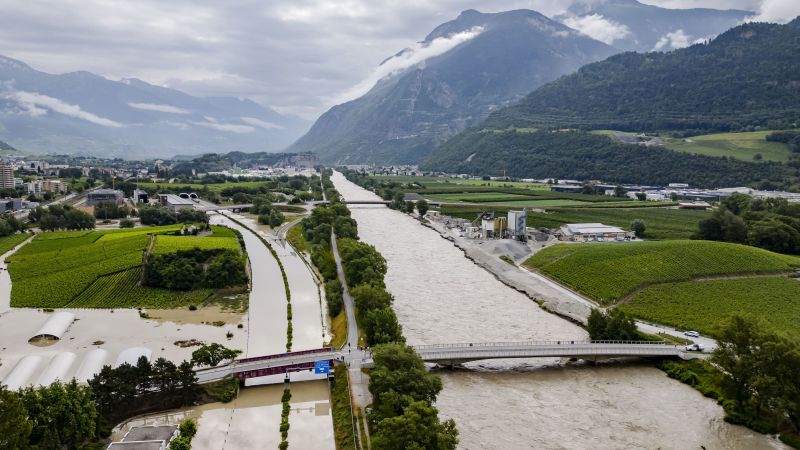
{"type": "Point", "coordinates": [442, 297]}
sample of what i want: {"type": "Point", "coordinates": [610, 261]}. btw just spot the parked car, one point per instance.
{"type": "Point", "coordinates": [691, 333]}
{"type": "Point", "coordinates": [694, 348]}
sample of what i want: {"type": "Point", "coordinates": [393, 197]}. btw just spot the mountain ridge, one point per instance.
{"type": "Point", "coordinates": [84, 113]}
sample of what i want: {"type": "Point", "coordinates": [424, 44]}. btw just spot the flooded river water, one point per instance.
{"type": "Point", "coordinates": [442, 297]}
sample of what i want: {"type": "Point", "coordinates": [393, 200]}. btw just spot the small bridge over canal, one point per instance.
{"type": "Point", "coordinates": [445, 355]}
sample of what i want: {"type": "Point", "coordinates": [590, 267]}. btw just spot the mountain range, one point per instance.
{"type": "Point", "coordinates": [84, 113]}
{"type": "Point", "coordinates": [407, 114]}
{"type": "Point", "coordinates": [746, 79]}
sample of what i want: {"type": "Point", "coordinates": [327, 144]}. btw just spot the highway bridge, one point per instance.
{"type": "Point", "coordinates": [447, 355]}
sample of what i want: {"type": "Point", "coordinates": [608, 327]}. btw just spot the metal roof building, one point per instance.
{"type": "Point", "coordinates": [132, 355]}
{"type": "Point", "coordinates": [91, 365]}
{"type": "Point", "coordinates": [57, 369]}
{"type": "Point", "coordinates": [56, 325]}
{"type": "Point", "coordinates": [21, 374]}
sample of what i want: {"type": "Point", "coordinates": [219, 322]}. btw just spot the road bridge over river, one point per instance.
{"type": "Point", "coordinates": [447, 355]}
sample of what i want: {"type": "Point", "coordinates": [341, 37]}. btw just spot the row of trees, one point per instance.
{"type": "Point", "coordinates": [56, 416]}
{"type": "Point", "coordinates": [613, 325]}
{"type": "Point", "coordinates": [185, 270]}
{"type": "Point", "coordinates": [127, 390]}
{"type": "Point", "coordinates": [403, 393]}
{"type": "Point", "coordinates": [161, 215]}
{"type": "Point", "coordinates": [61, 217]}
{"type": "Point", "coordinates": [267, 214]}
{"type": "Point", "coordinates": [773, 224]}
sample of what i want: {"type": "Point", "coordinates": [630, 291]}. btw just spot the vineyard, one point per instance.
{"type": "Point", "coordinates": [607, 272]}
{"type": "Point", "coordinates": [172, 244]}
{"type": "Point", "coordinates": [121, 289]}
{"type": "Point", "coordinates": [9, 242]}
{"type": "Point", "coordinates": [96, 269]}
{"type": "Point", "coordinates": [701, 305]}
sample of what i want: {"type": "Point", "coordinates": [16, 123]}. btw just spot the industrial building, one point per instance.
{"type": "Point", "coordinates": [517, 224]}
{"type": "Point", "coordinates": [10, 204]}
{"type": "Point", "coordinates": [592, 232]}
{"type": "Point", "coordinates": [140, 196]}
{"type": "Point", "coordinates": [104, 196]}
{"type": "Point", "coordinates": [175, 202]}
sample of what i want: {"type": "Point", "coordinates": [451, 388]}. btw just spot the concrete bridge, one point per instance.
{"type": "Point", "coordinates": [452, 354]}
{"type": "Point", "coordinates": [447, 355]}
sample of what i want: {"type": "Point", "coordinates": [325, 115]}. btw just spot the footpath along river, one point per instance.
{"type": "Point", "coordinates": [442, 297]}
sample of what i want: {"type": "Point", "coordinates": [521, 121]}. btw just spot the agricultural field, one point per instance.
{"type": "Point", "coordinates": [172, 244]}
{"type": "Point", "coordinates": [457, 183]}
{"type": "Point", "coordinates": [608, 272]}
{"type": "Point", "coordinates": [662, 223]}
{"type": "Point", "coordinates": [121, 289]}
{"type": "Point", "coordinates": [7, 243]}
{"type": "Point", "coordinates": [742, 146]}
{"type": "Point", "coordinates": [64, 268]}
{"type": "Point", "coordinates": [702, 305]}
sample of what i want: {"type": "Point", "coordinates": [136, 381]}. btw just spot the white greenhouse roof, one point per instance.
{"type": "Point", "coordinates": [21, 374]}
{"type": "Point", "coordinates": [91, 365]}
{"type": "Point", "coordinates": [57, 324]}
{"type": "Point", "coordinates": [132, 355]}
{"type": "Point", "coordinates": [57, 369]}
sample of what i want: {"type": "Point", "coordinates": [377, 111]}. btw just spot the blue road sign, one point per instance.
{"type": "Point", "coordinates": [322, 367]}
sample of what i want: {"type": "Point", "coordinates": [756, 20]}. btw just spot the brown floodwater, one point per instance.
{"type": "Point", "coordinates": [442, 297]}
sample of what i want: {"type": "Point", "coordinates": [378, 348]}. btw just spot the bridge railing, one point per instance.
{"type": "Point", "coordinates": [323, 350]}
{"type": "Point", "coordinates": [534, 344]}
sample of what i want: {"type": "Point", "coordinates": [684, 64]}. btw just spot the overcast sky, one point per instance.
{"type": "Point", "coordinates": [297, 56]}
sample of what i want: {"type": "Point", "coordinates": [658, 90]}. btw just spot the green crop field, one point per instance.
{"type": "Point", "coordinates": [702, 305]}
{"type": "Point", "coordinates": [121, 289]}
{"type": "Point", "coordinates": [736, 145]}
{"type": "Point", "coordinates": [607, 272]}
{"type": "Point", "coordinates": [172, 244]}
{"type": "Point", "coordinates": [64, 268]}
{"type": "Point", "coordinates": [9, 242]}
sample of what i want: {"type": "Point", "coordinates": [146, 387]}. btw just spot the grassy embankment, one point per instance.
{"type": "Point", "coordinates": [102, 269]}
{"type": "Point", "coordinates": [662, 281]}
{"type": "Point", "coordinates": [342, 410]}
{"type": "Point", "coordinates": [7, 243]}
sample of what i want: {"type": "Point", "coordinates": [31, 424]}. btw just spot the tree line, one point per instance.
{"type": "Point", "coordinates": [186, 270]}
{"type": "Point", "coordinates": [772, 224]}
{"type": "Point", "coordinates": [404, 392]}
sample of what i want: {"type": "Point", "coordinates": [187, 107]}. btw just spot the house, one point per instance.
{"type": "Point", "coordinates": [589, 232]}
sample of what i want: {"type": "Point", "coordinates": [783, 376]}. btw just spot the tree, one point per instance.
{"type": "Point", "coordinates": [673, 196]}
{"type": "Point", "coordinates": [619, 191]}
{"type": "Point", "coordinates": [180, 443]}
{"type": "Point", "coordinates": [735, 355]}
{"type": "Point", "coordinates": [638, 226]}
{"type": "Point", "coordinates": [15, 428]}
{"type": "Point", "coordinates": [409, 208]}
{"type": "Point", "coordinates": [418, 427]}
{"type": "Point", "coordinates": [188, 428]}
{"type": "Point", "coordinates": [422, 207]}
{"type": "Point", "coordinates": [737, 203]}
{"type": "Point", "coordinates": [612, 326]}
{"type": "Point", "coordinates": [126, 223]}
{"type": "Point", "coordinates": [774, 236]}
{"type": "Point", "coordinates": [368, 297]}
{"type": "Point", "coordinates": [398, 379]}
{"type": "Point", "coordinates": [381, 327]}
{"type": "Point", "coordinates": [213, 354]}
{"type": "Point", "coordinates": [641, 196]}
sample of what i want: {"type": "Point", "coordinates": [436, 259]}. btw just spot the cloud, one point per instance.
{"type": "Point", "coordinates": [409, 57]}
{"type": "Point", "coordinates": [38, 105]}
{"type": "Point", "coordinates": [159, 108]}
{"type": "Point", "coordinates": [673, 40]}
{"type": "Point", "coordinates": [230, 127]}
{"type": "Point", "coordinates": [780, 11]}
{"type": "Point", "coordinates": [260, 123]}
{"type": "Point", "coordinates": [598, 27]}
